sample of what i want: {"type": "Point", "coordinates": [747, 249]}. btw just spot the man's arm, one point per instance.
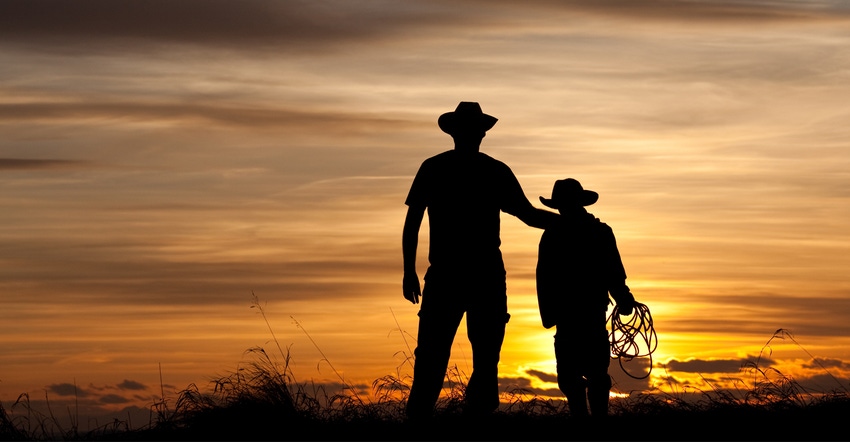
{"type": "Point", "coordinates": [409, 244]}
{"type": "Point", "coordinates": [539, 218]}
{"type": "Point", "coordinates": [517, 204]}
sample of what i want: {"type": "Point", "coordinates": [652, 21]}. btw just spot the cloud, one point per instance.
{"type": "Point", "coordinates": [304, 26]}
{"type": "Point", "coordinates": [716, 365]}
{"type": "Point", "coordinates": [37, 164]}
{"type": "Point", "coordinates": [626, 377]}
{"type": "Point", "coordinates": [131, 385]}
{"type": "Point", "coordinates": [762, 313]}
{"type": "Point", "coordinates": [289, 120]}
{"type": "Point", "coordinates": [66, 389]}
{"type": "Point", "coordinates": [818, 363]}
{"type": "Point", "coordinates": [521, 385]}
{"type": "Point", "coordinates": [825, 382]}
{"type": "Point", "coordinates": [740, 11]}
{"type": "Point", "coordinates": [543, 376]}
{"type": "Point", "coordinates": [110, 408]}
{"type": "Point", "coordinates": [514, 383]}
{"type": "Point", "coordinates": [113, 399]}
{"type": "Point", "coordinates": [111, 275]}
{"type": "Point", "coordinates": [250, 24]}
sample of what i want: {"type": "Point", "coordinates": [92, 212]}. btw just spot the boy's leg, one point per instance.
{"type": "Point", "coordinates": [598, 392]}
{"type": "Point", "coordinates": [570, 379]}
{"type": "Point", "coordinates": [598, 379]}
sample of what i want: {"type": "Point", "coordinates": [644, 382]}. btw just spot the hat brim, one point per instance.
{"type": "Point", "coordinates": [586, 198]}
{"type": "Point", "coordinates": [452, 122]}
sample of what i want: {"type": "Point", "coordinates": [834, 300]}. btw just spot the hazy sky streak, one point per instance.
{"type": "Point", "coordinates": [159, 161]}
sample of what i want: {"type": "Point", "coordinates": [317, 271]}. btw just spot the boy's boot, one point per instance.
{"type": "Point", "coordinates": [577, 401]}
{"type": "Point", "coordinates": [598, 392]}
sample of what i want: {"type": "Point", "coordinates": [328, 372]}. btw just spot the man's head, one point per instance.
{"type": "Point", "coordinates": [466, 121]}
{"type": "Point", "coordinates": [568, 194]}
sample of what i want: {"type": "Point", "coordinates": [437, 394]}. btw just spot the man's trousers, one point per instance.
{"type": "Point", "coordinates": [442, 309]}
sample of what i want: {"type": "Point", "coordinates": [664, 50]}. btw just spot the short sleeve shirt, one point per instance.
{"type": "Point", "coordinates": [464, 193]}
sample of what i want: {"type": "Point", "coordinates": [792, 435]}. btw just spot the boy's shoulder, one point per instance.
{"type": "Point", "coordinates": [591, 225]}
{"type": "Point", "coordinates": [563, 223]}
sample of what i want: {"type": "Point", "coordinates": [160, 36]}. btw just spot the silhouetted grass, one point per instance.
{"type": "Point", "coordinates": [259, 404]}
{"type": "Point", "coordinates": [262, 401]}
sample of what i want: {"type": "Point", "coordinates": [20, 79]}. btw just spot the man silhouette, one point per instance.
{"type": "Point", "coordinates": [464, 192]}
{"type": "Point", "coordinates": [578, 265]}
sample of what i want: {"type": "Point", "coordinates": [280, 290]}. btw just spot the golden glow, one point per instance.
{"type": "Point", "coordinates": [150, 186]}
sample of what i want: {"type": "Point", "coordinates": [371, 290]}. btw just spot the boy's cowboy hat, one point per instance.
{"type": "Point", "coordinates": [568, 192]}
{"type": "Point", "coordinates": [466, 116]}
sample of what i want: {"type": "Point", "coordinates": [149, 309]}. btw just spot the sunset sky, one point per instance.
{"type": "Point", "coordinates": [160, 161]}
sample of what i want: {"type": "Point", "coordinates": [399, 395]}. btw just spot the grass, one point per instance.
{"type": "Point", "coordinates": [263, 401]}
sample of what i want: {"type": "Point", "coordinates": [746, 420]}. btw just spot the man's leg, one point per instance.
{"type": "Point", "coordinates": [438, 323]}
{"type": "Point", "coordinates": [485, 322]}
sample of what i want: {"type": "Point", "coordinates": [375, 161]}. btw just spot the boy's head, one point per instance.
{"type": "Point", "coordinates": [568, 194]}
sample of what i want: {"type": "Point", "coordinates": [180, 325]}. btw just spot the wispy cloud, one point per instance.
{"type": "Point", "coordinates": [304, 26]}
{"type": "Point", "coordinates": [38, 164]}
{"type": "Point", "coordinates": [715, 365]}
{"type": "Point", "coordinates": [292, 26]}
{"type": "Point", "coordinates": [689, 11]}
{"type": "Point", "coordinates": [281, 119]}
{"type": "Point", "coordinates": [131, 385]}
{"type": "Point", "coordinates": [66, 389]}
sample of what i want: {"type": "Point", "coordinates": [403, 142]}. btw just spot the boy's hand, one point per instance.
{"type": "Point", "coordinates": [625, 302]}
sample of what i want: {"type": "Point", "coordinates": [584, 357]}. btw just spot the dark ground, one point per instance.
{"type": "Point", "coordinates": [811, 423]}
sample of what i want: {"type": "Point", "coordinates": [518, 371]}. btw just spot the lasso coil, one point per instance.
{"type": "Point", "coordinates": [634, 338]}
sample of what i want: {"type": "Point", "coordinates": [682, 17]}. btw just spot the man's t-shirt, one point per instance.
{"type": "Point", "coordinates": [464, 193]}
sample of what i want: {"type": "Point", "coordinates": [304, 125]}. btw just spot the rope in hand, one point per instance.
{"type": "Point", "coordinates": [629, 337]}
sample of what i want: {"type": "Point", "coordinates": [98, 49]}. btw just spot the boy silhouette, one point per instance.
{"type": "Point", "coordinates": [578, 266]}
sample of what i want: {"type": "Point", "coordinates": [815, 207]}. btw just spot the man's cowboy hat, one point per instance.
{"type": "Point", "coordinates": [466, 116]}
{"type": "Point", "coordinates": [568, 192]}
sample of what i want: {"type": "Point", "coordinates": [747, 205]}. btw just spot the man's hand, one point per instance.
{"type": "Point", "coordinates": [625, 309]}
{"type": "Point", "coordinates": [410, 286]}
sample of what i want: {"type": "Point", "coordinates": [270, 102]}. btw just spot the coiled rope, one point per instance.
{"type": "Point", "coordinates": [634, 338]}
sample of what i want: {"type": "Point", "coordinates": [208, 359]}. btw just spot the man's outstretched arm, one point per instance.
{"type": "Point", "coordinates": [518, 205]}
{"type": "Point", "coordinates": [409, 244]}
{"type": "Point", "coordinates": [535, 217]}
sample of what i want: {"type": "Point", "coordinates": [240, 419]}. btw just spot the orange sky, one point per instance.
{"type": "Point", "coordinates": [160, 161]}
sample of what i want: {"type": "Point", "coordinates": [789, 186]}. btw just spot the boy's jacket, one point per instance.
{"type": "Point", "coordinates": [578, 265]}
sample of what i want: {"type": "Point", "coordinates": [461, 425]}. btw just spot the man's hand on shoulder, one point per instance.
{"type": "Point", "coordinates": [538, 218]}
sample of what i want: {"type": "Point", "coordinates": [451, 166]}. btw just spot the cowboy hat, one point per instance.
{"type": "Point", "coordinates": [466, 116]}
{"type": "Point", "coordinates": [568, 192]}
